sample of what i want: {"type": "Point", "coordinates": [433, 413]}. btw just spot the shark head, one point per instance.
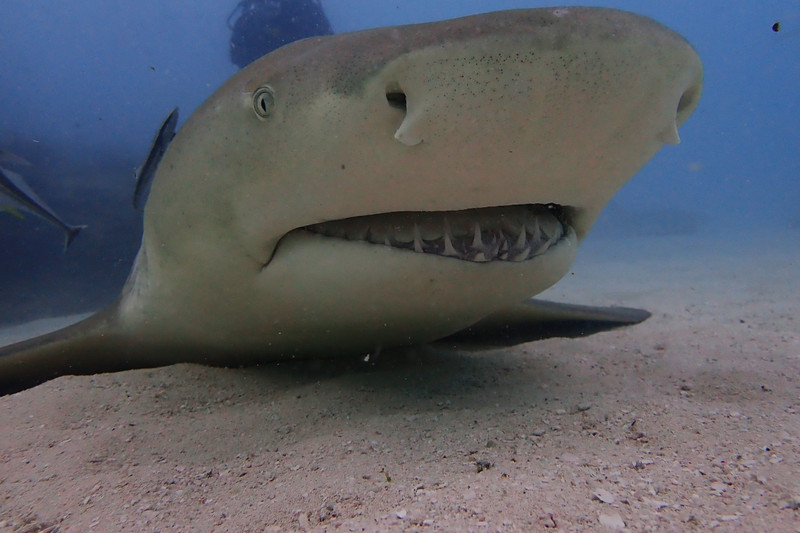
{"type": "Point", "coordinates": [395, 185]}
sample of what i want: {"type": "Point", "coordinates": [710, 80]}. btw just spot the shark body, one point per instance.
{"type": "Point", "coordinates": [397, 186]}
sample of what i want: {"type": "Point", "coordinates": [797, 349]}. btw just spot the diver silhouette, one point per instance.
{"type": "Point", "coordinates": [264, 25]}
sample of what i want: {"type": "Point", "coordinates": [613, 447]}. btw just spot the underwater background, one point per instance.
{"type": "Point", "coordinates": [85, 86]}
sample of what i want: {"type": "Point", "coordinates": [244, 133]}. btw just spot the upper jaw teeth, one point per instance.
{"type": "Point", "coordinates": [514, 233]}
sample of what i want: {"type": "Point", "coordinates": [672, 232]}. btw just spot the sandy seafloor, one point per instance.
{"type": "Point", "coordinates": [687, 422]}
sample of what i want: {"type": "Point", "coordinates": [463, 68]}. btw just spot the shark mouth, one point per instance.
{"type": "Point", "coordinates": [512, 233]}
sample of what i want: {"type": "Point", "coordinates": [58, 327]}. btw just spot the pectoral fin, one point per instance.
{"type": "Point", "coordinates": [535, 320]}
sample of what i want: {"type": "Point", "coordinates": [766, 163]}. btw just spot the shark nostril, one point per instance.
{"type": "Point", "coordinates": [684, 101]}
{"type": "Point", "coordinates": [688, 102]}
{"type": "Point", "coordinates": [396, 99]}
{"type": "Point", "coordinates": [410, 132]}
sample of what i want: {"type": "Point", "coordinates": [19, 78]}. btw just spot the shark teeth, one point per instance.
{"type": "Point", "coordinates": [513, 233]}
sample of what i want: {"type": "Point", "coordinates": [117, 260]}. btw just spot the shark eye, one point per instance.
{"type": "Point", "coordinates": [263, 101]}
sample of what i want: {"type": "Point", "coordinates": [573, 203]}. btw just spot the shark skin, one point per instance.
{"type": "Point", "coordinates": [357, 192]}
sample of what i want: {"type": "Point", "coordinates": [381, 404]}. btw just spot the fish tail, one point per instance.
{"type": "Point", "coordinates": [71, 232]}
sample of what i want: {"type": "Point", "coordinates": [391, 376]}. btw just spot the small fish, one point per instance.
{"type": "Point", "coordinates": [144, 176]}
{"type": "Point", "coordinates": [13, 187]}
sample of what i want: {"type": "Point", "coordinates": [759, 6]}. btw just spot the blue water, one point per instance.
{"type": "Point", "coordinates": [85, 85]}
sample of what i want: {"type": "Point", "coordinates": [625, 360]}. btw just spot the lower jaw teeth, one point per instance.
{"type": "Point", "coordinates": [514, 234]}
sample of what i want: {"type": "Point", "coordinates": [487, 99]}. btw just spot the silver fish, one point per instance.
{"type": "Point", "coordinates": [13, 187]}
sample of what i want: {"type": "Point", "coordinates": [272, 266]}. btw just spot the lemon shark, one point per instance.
{"type": "Point", "coordinates": [389, 187]}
